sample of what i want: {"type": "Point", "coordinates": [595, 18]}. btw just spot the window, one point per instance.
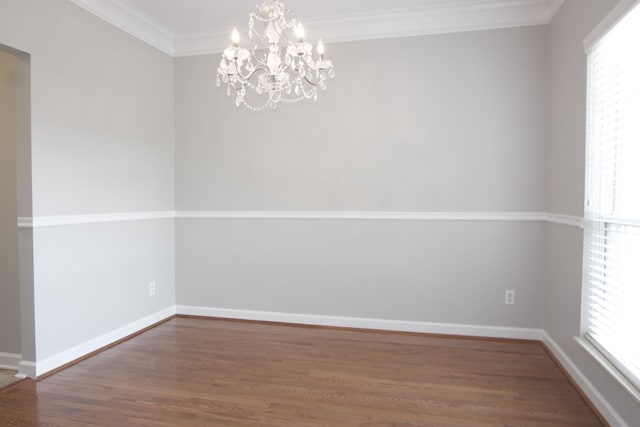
{"type": "Point", "coordinates": [612, 202]}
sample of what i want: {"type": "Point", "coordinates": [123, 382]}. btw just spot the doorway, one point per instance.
{"type": "Point", "coordinates": [15, 201]}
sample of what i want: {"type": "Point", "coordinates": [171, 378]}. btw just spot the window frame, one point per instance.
{"type": "Point", "coordinates": [629, 381]}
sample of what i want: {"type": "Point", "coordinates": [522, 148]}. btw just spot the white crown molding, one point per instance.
{"type": "Point", "coordinates": [440, 17]}
{"type": "Point", "coordinates": [130, 19]}
{"type": "Point", "coordinates": [365, 323]}
{"type": "Point", "coordinates": [553, 6]}
{"type": "Point", "coordinates": [51, 221]}
{"type": "Point", "coordinates": [201, 44]}
{"type": "Point", "coordinates": [443, 17]}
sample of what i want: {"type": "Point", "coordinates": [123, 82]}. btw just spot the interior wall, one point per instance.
{"type": "Point", "coordinates": [444, 123]}
{"type": "Point", "coordinates": [10, 88]}
{"type": "Point", "coordinates": [102, 135]}
{"type": "Point", "coordinates": [565, 192]}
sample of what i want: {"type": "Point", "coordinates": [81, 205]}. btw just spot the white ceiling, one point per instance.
{"type": "Point", "coordinates": [195, 27]}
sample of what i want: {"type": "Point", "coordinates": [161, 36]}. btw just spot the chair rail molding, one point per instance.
{"type": "Point", "coordinates": [63, 220]}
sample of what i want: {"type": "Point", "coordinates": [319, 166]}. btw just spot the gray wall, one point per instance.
{"type": "Point", "coordinates": [10, 82]}
{"type": "Point", "coordinates": [102, 111]}
{"type": "Point", "coordinates": [565, 191]}
{"type": "Point", "coordinates": [459, 126]}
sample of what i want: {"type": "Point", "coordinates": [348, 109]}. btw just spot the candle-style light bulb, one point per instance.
{"type": "Point", "coordinates": [235, 36]}
{"type": "Point", "coordinates": [299, 31]}
{"type": "Point", "coordinates": [320, 47]}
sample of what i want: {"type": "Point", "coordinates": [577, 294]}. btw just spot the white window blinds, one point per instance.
{"type": "Point", "coordinates": [612, 205]}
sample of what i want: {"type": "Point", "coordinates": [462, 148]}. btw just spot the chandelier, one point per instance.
{"type": "Point", "coordinates": [278, 68]}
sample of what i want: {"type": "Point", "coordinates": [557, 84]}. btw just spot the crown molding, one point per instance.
{"type": "Point", "coordinates": [437, 18]}
{"type": "Point", "coordinates": [130, 19]}
{"type": "Point", "coordinates": [201, 44]}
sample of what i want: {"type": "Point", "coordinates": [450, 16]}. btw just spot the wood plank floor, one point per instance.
{"type": "Point", "coordinates": [203, 372]}
{"type": "Point", "coordinates": [7, 377]}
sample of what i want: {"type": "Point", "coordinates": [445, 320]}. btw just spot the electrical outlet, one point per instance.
{"type": "Point", "coordinates": [152, 289]}
{"type": "Point", "coordinates": [509, 296]}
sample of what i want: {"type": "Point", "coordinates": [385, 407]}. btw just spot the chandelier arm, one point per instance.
{"type": "Point", "coordinates": [246, 78]}
{"type": "Point", "coordinates": [262, 62]}
{"type": "Point", "coordinates": [307, 95]}
{"type": "Point", "coordinates": [234, 85]}
{"type": "Point", "coordinates": [312, 83]}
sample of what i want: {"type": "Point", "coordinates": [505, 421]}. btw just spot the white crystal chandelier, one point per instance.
{"type": "Point", "coordinates": [278, 68]}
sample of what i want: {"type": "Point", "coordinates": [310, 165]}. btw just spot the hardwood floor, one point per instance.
{"type": "Point", "coordinates": [7, 377]}
{"type": "Point", "coordinates": [203, 372]}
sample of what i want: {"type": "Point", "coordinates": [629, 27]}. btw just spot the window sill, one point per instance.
{"type": "Point", "coordinates": [609, 367]}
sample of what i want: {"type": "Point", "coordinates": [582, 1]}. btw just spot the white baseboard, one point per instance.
{"type": "Point", "coordinates": [27, 369]}
{"type": "Point", "coordinates": [365, 323]}
{"type": "Point", "coordinates": [10, 361]}
{"type": "Point", "coordinates": [599, 401]}
{"type": "Point", "coordinates": [74, 353]}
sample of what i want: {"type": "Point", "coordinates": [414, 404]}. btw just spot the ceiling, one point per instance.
{"type": "Point", "coordinates": [197, 27]}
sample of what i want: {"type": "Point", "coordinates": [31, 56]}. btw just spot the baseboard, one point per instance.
{"type": "Point", "coordinates": [592, 393]}
{"type": "Point", "coordinates": [27, 369]}
{"type": "Point", "coordinates": [10, 361]}
{"type": "Point", "coordinates": [365, 323]}
{"type": "Point", "coordinates": [81, 350]}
